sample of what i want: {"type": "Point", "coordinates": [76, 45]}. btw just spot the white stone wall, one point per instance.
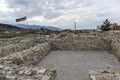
{"type": "Point", "coordinates": [115, 47]}
{"type": "Point", "coordinates": [80, 43]}
{"type": "Point", "coordinates": [27, 57]}
{"type": "Point", "coordinates": [19, 66]}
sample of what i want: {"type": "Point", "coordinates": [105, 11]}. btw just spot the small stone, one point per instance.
{"type": "Point", "coordinates": [27, 73]}
{"type": "Point", "coordinates": [41, 71]}
{"type": "Point", "coordinates": [21, 72]}
{"type": "Point", "coordinates": [10, 77]}
{"type": "Point", "coordinates": [1, 66]}
{"type": "Point", "coordinates": [7, 68]}
{"type": "Point", "coordinates": [45, 78]}
{"type": "Point", "coordinates": [9, 72]}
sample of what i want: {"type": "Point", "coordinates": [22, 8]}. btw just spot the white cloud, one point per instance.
{"type": "Point", "coordinates": [61, 13]}
{"type": "Point", "coordinates": [3, 7]}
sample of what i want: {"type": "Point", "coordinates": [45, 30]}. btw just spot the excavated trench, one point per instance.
{"type": "Point", "coordinates": [75, 65]}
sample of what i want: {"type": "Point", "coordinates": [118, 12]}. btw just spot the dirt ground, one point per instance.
{"type": "Point", "coordinates": [75, 65]}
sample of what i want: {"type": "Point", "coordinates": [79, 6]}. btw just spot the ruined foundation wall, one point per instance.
{"type": "Point", "coordinates": [21, 45]}
{"type": "Point", "coordinates": [8, 41]}
{"type": "Point", "coordinates": [20, 65]}
{"type": "Point", "coordinates": [27, 57]}
{"type": "Point", "coordinates": [80, 43]}
{"type": "Point", "coordinates": [16, 40]}
{"type": "Point", "coordinates": [114, 38]}
{"type": "Point", "coordinates": [12, 48]}
{"type": "Point", "coordinates": [115, 47]}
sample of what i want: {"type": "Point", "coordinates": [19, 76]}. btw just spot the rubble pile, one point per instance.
{"type": "Point", "coordinates": [104, 75]}
{"type": "Point", "coordinates": [26, 73]}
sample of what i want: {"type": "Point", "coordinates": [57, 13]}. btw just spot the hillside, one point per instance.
{"type": "Point", "coordinates": [8, 30]}
{"type": "Point", "coordinates": [38, 27]}
{"type": "Point", "coordinates": [7, 27]}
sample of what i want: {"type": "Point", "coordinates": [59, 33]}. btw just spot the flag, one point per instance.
{"type": "Point", "coordinates": [21, 19]}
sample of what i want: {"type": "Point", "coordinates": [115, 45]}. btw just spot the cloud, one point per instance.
{"type": "Point", "coordinates": [61, 13]}
{"type": "Point", "coordinates": [33, 8]}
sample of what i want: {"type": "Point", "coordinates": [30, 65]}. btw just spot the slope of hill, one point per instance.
{"type": "Point", "coordinates": [8, 27]}
{"type": "Point", "coordinates": [38, 27]}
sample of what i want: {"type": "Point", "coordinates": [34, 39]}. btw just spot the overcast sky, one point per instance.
{"type": "Point", "coordinates": [61, 13]}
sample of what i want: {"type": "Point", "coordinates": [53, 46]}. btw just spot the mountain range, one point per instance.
{"type": "Point", "coordinates": [38, 27]}
{"type": "Point", "coordinates": [8, 27]}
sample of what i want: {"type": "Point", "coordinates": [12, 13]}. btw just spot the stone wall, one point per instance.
{"type": "Point", "coordinates": [109, 41]}
{"type": "Point", "coordinates": [114, 38]}
{"type": "Point", "coordinates": [20, 45]}
{"type": "Point", "coordinates": [8, 41]}
{"type": "Point", "coordinates": [115, 47]}
{"type": "Point", "coordinates": [12, 48]}
{"type": "Point", "coordinates": [27, 57]}
{"type": "Point", "coordinates": [80, 43]}
{"type": "Point", "coordinates": [16, 40]}
{"type": "Point", "coordinates": [20, 65]}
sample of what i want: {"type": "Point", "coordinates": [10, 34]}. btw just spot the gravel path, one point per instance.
{"type": "Point", "coordinates": [75, 65]}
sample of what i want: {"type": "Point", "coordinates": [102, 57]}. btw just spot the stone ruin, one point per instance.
{"type": "Point", "coordinates": [19, 55]}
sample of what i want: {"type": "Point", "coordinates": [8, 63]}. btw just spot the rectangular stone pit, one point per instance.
{"type": "Point", "coordinates": [76, 65]}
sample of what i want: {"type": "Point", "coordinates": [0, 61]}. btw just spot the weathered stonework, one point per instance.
{"type": "Point", "coordinates": [104, 75]}
{"type": "Point", "coordinates": [26, 73]}
{"type": "Point", "coordinates": [109, 41]}
{"type": "Point", "coordinates": [28, 56]}
{"type": "Point", "coordinates": [21, 45]}
{"type": "Point", "coordinates": [12, 48]}
{"type": "Point", "coordinates": [18, 55]}
{"type": "Point", "coordinates": [8, 41]}
{"type": "Point", "coordinates": [80, 43]}
{"type": "Point", "coordinates": [14, 66]}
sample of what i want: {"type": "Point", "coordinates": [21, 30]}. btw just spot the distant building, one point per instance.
{"type": "Point", "coordinates": [115, 26]}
